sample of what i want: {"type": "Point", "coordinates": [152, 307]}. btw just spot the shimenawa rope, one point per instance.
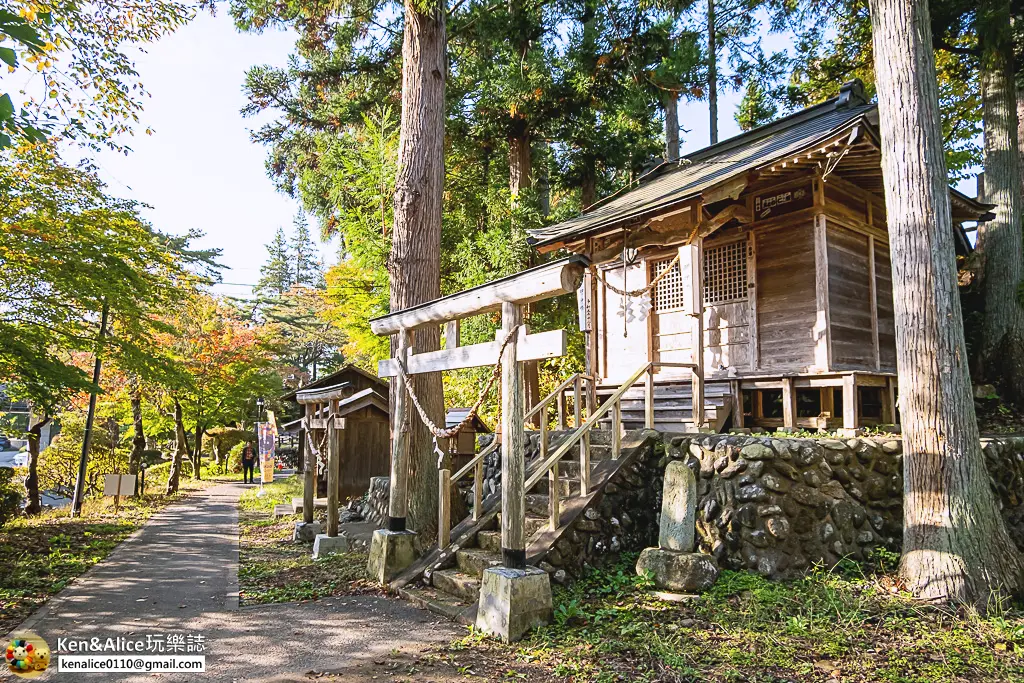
{"type": "Point", "coordinates": [643, 290]}
{"type": "Point", "coordinates": [448, 433]}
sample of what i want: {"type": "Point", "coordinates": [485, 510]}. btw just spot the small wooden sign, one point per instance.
{"type": "Point", "coordinates": [780, 202]}
{"type": "Point", "coordinates": [118, 484]}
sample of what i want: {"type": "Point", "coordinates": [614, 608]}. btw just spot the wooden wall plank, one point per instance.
{"type": "Point", "coordinates": [786, 307]}
{"type": "Point", "coordinates": [849, 294]}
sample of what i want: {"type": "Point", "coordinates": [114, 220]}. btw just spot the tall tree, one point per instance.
{"type": "Point", "coordinates": [306, 268]}
{"type": "Point", "coordinates": [276, 275]}
{"type": "Point", "coordinates": [955, 547]}
{"type": "Point", "coordinates": [415, 263]}
{"type": "Point", "coordinates": [999, 240]}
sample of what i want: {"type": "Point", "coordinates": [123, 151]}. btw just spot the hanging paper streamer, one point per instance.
{"type": "Point", "coordinates": [439, 453]}
{"type": "Point", "coordinates": [642, 306]}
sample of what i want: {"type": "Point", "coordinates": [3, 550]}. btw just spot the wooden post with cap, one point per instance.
{"type": "Point", "coordinates": [513, 436]}
{"type": "Point", "coordinates": [398, 500]}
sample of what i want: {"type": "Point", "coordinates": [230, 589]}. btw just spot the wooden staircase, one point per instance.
{"type": "Point", "coordinates": [451, 585]}
{"type": "Point", "coordinates": [673, 406]}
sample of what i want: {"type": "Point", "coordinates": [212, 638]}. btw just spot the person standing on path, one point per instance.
{"type": "Point", "coordinates": [248, 464]}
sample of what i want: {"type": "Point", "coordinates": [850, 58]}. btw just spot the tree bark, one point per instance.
{"type": "Point", "coordinates": [519, 167]}
{"type": "Point", "coordinates": [588, 189]}
{"type": "Point", "coordinates": [999, 240]}
{"type": "Point", "coordinates": [180, 450]}
{"type": "Point", "coordinates": [670, 101]}
{"type": "Point", "coordinates": [415, 264]}
{"type": "Point", "coordinates": [35, 431]}
{"type": "Point", "coordinates": [197, 454]}
{"type": "Point", "coordinates": [955, 546]}
{"type": "Point", "coordinates": [712, 73]}
{"type": "Point", "coordinates": [138, 438]}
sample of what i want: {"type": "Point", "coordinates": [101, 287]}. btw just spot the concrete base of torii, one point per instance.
{"type": "Point", "coordinates": [513, 601]}
{"type": "Point", "coordinates": [390, 553]}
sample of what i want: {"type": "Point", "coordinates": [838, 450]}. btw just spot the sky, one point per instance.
{"type": "Point", "coordinates": [200, 169]}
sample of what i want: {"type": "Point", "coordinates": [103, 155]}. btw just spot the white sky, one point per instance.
{"type": "Point", "coordinates": [200, 169]}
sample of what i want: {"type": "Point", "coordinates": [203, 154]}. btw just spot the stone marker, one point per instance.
{"type": "Point", "coordinates": [306, 532]}
{"type": "Point", "coordinates": [325, 545]}
{"type": "Point", "coordinates": [390, 553]}
{"type": "Point", "coordinates": [678, 508]}
{"type": "Point", "coordinates": [512, 601]}
{"type": "Point", "coordinates": [673, 564]}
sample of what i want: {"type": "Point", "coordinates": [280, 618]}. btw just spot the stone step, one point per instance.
{"type": "Point", "coordinates": [440, 603]}
{"type": "Point", "coordinates": [474, 561]}
{"type": "Point", "coordinates": [489, 541]}
{"type": "Point", "coordinates": [532, 523]}
{"type": "Point", "coordinates": [463, 586]}
{"type": "Point", "coordinates": [536, 503]}
{"type": "Point", "coordinates": [567, 486]}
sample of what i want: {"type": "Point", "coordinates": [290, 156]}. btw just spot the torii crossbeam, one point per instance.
{"type": "Point", "coordinates": [392, 548]}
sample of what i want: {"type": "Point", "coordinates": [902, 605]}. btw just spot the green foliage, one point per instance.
{"type": "Point", "coordinates": [68, 249]}
{"type": "Point", "coordinates": [756, 108]}
{"type": "Point", "coordinates": [80, 51]}
{"type": "Point", "coordinates": [746, 627]}
{"type": "Point", "coordinates": [58, 464]}
{"type": "Point", "coordinates": [276, 274]}
{"type": "Point", "coordinates": [10, 495]}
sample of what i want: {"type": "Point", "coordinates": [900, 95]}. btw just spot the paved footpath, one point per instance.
{"type": "Point", "coordinates": [179, 575]}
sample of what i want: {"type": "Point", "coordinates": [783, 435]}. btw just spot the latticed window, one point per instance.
{"type": "Point", "coordinates": [725, 273]}
{"type": "Point", "coordinates": [668, 295]}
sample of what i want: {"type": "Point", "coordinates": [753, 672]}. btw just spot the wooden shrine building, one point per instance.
{"type": "Point", "coordinates": [360, 402]}
{"type": "Point", "coordinates": [781, 236]}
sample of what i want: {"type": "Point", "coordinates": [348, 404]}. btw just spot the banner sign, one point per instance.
{"type": "Point", "coordinates": [266, 433]}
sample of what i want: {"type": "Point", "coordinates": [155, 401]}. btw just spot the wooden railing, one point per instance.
{"type": "Point", "coordinates": [580, 436]}
{"type": "Point", "coordinates": [444, 492]}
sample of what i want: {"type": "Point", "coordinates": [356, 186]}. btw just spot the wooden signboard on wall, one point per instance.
{"type": "Point", "coordinates": [780, 202]}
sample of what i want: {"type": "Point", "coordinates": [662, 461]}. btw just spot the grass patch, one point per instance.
{"type": "Point", "coordinates": [42, 554]}
{"type": "Point", "coordinates": [842, 624]}
{"type": "Point", "coordinates": [274, 569]}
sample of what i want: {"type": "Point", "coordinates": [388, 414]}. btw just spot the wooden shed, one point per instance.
{"type": "Point", "coordinates": [359, 402]}
{"type": "Point", "coordinates": [780, 235]}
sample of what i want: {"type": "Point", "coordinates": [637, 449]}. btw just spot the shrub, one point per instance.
{"type": "Point", "coordinates": [10, 495]}
{"type": "Point", "coordinates": [235, 457]}
{"type": "Point", "coordinates": [58, 464]}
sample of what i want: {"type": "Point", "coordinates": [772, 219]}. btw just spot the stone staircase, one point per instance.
{"type": "Point", "coordinates": [673, 406]}
{"type": "Point", "coordinates": [450, 586]}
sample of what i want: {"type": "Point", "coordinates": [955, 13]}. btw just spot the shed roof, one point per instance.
{"type": "Point", "coordinates": [367, 398]}
{"type": "Point", "coordinates": [334, 378]}
{"type": "Point", "coordinates": [671, 184]}
{"type": "Point", "coordinates": [456, 415]}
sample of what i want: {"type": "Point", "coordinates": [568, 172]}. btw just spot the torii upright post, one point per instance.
{"type": "Point", "coordinates": [513, 597]}
{"type": "Point", "coordinates": [394, 548]}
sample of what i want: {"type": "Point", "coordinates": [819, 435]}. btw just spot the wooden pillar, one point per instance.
{"type": "Point", "coordinates": [691, 262]}
{"type": "Point", "coordinates": [444, 509]}
{"type": "Point", "coordinates": [889, 402]}
{"type": "Point", "coordinates": [333, 472]}
{"type": "Point", "coordinates": [513, 446]}
{"type": "Point", "coordinates": [309, 476]}
{"type": "Point", "coordinates": [398, 501]}
{"type": "Point", "coordinates": [649, 399]}
{"type": "Point", "coordinates": [873, 300]}
{"type": "Point", "coordinates": [737, 403]}
{"type": "Point", "coordinates": [452, 334]}
{"type": "Point", "coordinates": [851, 417]}
{"type": "Point", "coordinates": [828, 408]}
{"type": "Point", "coordinates": [593, 338]}
{"type": "Point", "coordinates": [788, 403]}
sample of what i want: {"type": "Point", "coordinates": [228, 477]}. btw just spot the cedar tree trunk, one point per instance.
{"type": "Point", "coordinates": [999, 240]}
{"type": "Point", "coordinates": [670, 101]}
{"type": "Point", "coordinates": [180, 450]}
{"type": "Point", "coordinates": [138, 437]}
{"type": "Point", "coordinates": [415, 266]}
{"type": "Point", "coordinates": [955, 547]}
{"type": "Point", "coordinates": [712, 72]}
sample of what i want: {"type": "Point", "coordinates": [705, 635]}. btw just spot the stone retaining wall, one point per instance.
{"type": "Point", "coordinates": [374, 508]}
{"type": "Point", "coordinates": [779, 506]}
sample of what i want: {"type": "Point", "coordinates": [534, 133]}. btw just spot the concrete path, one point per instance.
{"type": "Point", "coordinates": [179, 575]}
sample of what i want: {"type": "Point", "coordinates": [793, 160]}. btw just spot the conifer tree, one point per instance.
{"type": "Point", "coordinates": [276, 275]}
{"type": "Point", "coordinates": [306, 268]}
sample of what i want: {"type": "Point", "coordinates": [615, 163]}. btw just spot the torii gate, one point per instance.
{"type": "Point", "coordinates": [392, 548]}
